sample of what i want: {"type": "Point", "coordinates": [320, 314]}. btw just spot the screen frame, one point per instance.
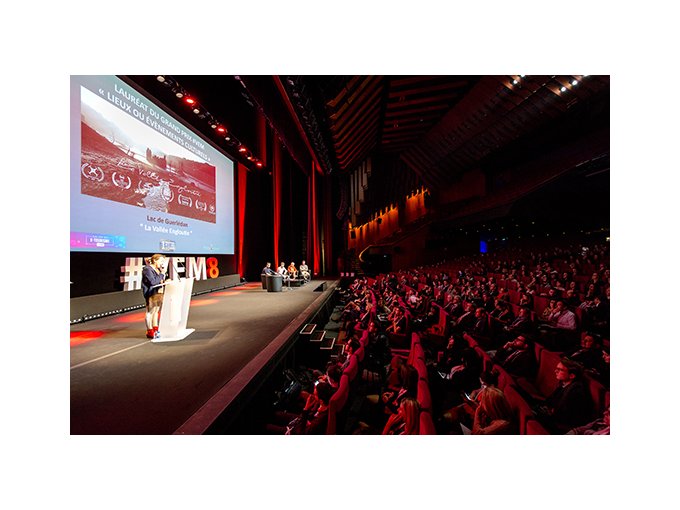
{"type": "Point", "coordinates": [179, 117]}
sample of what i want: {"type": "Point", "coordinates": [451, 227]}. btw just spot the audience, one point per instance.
{"type": "Point", "coordinates": [478, 294]}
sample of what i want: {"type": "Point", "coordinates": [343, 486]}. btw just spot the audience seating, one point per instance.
{"type": "Point", "coordinates": [426, 424]}
{"type": "Point", "coordinates": [424, 398]}
{"type": "Point", "coordinates": [534, 428]}
{"type": "Point", "coordinates": [520, 407]}
{"type": "Point", "coordinates": [352, 368]}
{"type": "Point", "coordinates": [544, 383]}
{"type": "Point", "coordinates": [336, 405]}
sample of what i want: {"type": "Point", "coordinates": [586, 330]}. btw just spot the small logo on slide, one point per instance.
{"type": "Point", "coordinates": [143, 187]}
{"type": "Point", "coordinates": [166, 245]}
{"type": "Point", "coordinates": [186, 201]}
{"type": "Point", "coordinates": [211, 209]}
{"type": "Point", "coordinates": [166, 192]}
{"type": "Point", "coordinates": [201, 206]}
{"type": "Point", "coordinates": [94, 173]}
{"type": "Point", "coordinates": [121, 180]}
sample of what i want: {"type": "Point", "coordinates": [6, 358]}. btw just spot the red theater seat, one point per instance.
{"type": "Point", "coordinates": [534, 428]}
{"type": "Point", "coordinates": [520, 407]}
{"type": "Point", "coordinates": [352, 368]}
{"type": "Point", "coordinates": [336, 405]}
{"type": "Point", "coordinates": [540, 387]}
{"type": "Point", "coordinates": [424, 398]}
{"type": "Point", "coordinates": [426, 424]}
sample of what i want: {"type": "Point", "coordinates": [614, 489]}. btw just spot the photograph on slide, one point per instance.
{"type": "Point", "coordinates": [158, 175]}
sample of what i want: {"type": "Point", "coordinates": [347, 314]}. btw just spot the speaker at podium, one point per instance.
{"type": "Point", "coordinates": [175, 310]}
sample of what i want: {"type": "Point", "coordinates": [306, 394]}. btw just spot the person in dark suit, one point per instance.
{"type": "Point", "coordinates": [517, 357]}
{"type": "Point", "coordinates": [466, 321]}
{"type": "Point", "coordinates": [480, 331]}
{"type": "Point", "coordinates": [569, 405]}
{"type": "Point", "coordinates": [521, 325]}
{"type": "Point", "coordinates": [589, 354]}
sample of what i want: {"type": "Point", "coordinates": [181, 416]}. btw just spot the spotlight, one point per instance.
{"type": "Point", "coordinates": [161, 79]}
{"type": "Point", "coordinates": [515, 82]}
{"type": "Point", "coordinates": [227, 138]}
{"type": "Point", "coordinates": [179, 94]}
{"type": "Point", "coordinates": [258, 164]}
{"type": "Point", "coordinates": [221, 129]}
{"type": "Point", "coordinates": [189, 100]}
{"type": "Point", "coordinates": [563, 89]}
{"type": "Point", "coordinates": [242, 149]}
{"type": "Point", "coordinates": [196, 110]}
{"type": "Point", "coordinates": [574, 82]}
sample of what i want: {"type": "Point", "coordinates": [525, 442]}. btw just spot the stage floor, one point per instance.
{"type": "Point", "coordinates": [122, 383]}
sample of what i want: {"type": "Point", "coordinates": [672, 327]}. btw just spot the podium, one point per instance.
{"type": "Point", "coordinates": [274, 283]}
{"type": "Point", "coordinates": [175, 310]}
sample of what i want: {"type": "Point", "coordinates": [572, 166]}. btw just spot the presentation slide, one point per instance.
{"type": "Point", "coordinates": [141, 181]}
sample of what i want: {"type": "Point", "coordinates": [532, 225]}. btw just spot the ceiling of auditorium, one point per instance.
{"type": "Point", "coordinates": [440, 126]}
{"type": "Point", "coordinates": [422, 130]}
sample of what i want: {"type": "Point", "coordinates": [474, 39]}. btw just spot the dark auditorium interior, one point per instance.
{"type": "Point", "coordinates": [456, 230]}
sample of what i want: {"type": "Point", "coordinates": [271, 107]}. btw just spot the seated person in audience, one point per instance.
{"type": "Point", "coordinates": [526, 300]}
{"type": "Point", "coordinates": [365, 316]}
{"type": "Point", "coordinates": [406, 421]}
{"type": "Point", "coordinates": [480, 330]}
{"type": "Point", "coordinates": [432, 318]}
{"type": "Point", "coordinates": [569, 406]}
{"type": "Point", "coordinates": [559, 334]}
{"type": "Point", "coordinates": [292, 270]}
{"type": "Point", "coordinates": [493, 414]}
{"type": "Point", "coordinates": [351, 347]}
{"type": "Point", "coordinates": [589, 354]}
{"type": "Point", "coordinates": [451, 355]}
{"type": "Point", "coordinates": [454, 308]}
{"type": "Point", "coordinates": [304, 271]}
{"type": "Point", "coordinates": [517, 357]}
{"type": "Point", "coordinates": [502, 312]}
{"type": "Point", "coordinates": [409, 388]}
{"type": "Point", "coordinates": [591, 292]}
{"type": "Point", "coordinates": [312, 420]}
{"type": "Point", "coordinates": [464, 413]}
{"type": "Point", "coordinates": [571, 299]}
{"type": "Point", "coordinates": [402, 382]}
{"type": "Point", "coordinates": [466, 320]}
{"type": "Point", "coordinates": [548, 310]}
{"type": "Point", "coordinates": [489, 303]}
{"type": "Point", "coordinates": [597, 427]}
{"type": "Point", "coordinates": [398, 324]}
{"type": "Point", "coordinates": [331, 376]}
{"type": "Point", "coordinates": [462, 378]}
{"type": "Point", "coordinates": [268, 269]}
{"type": "Point", "coordinates": [282, 270]}
{"type": "Point", "coordinates": [596, 315]}
{"type": "Point", "coordinates": [521, 325]}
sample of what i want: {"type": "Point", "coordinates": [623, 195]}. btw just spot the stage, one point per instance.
{"type": "Point", "coordinates": [122, 383]}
